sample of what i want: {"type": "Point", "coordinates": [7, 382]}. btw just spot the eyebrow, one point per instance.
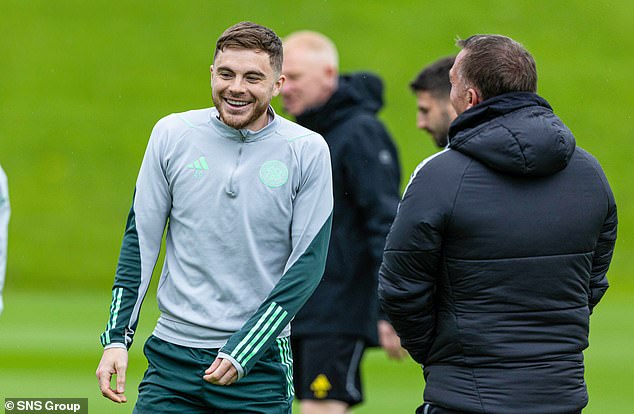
{"type": "Point", "coordinates": [251, 72]}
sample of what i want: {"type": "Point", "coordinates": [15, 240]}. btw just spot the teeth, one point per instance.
{"type": "Point", "coordinates": [236, 103]}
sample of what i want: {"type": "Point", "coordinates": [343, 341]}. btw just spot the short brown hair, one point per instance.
{"type": "Point", "coordinates": [435, 78]}
{"type": "Point", "coordinates": [495, 64]}
{"type": "Point", "coordinates": [248, 35]}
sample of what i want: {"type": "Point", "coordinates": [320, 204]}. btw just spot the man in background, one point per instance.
{"type": "Point", "coordinates": [247, 197]}
{"type": "Point", "coordinates": [331, 332]}
{"type": "Point", "coordinates": [500, 248]}
{"type": "Point", "coordinates": [5, 212]}
{"type": "Point", "coordinates": [432, 88]}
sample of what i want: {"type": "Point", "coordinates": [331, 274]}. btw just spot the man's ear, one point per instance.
{"type": "Point", "coordinates": [473, 97]}
{"type": "Point", "coordinates": [331, 71]}
{"type": "Point", "coordinates": [277, 86]}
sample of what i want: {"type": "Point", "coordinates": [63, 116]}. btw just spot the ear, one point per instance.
{"type": "Point", "coordinates": [473, 97]}
{"type": "Point", "coordinates": [277, 86]}
{"type": "Point", "coordinates": [331, 71]}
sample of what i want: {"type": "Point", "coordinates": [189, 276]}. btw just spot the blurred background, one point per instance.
{"type": "Point", "coordinates": [82, 84]}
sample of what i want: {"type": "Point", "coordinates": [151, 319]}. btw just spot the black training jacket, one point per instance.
{"type": "Point", "coordinates": [366, 185]}
{"type": "Point", "coordinates": [497, 256]}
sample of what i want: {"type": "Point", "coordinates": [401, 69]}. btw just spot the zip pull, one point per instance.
{"type": "Point", "coordinates": [231, 189]}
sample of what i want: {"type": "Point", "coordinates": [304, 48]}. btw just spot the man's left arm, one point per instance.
{"type": "Point", "coordinates": [603, 253]}
{"type": "Point", "coordinates": [310, 235]}
{"type": "Point", "coordinates": [373, 177]}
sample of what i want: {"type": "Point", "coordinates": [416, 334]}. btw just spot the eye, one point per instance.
{"type": "Point", "coordinates": [253, 79]}
{"type": "Point", "coordinates": [225, 75]}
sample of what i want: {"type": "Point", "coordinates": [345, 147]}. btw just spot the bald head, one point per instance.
{"type": "Point", "coordinates": [311, 69]}
{"type": "Point", "coordinates": [315, 45]}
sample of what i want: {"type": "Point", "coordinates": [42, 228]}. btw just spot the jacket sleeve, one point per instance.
{"type": "Point", "coordinates": [372, 172]}
{"type": "Point", "coordinates": [5, 212]}
{"type": "Point", "coordinates": [310, 234]}
{"type": "Point", "coordinates": [409, 274]}
{"type": "Point", "coordinates": [141, 244]}
{"type": "Point", "coordinates": [603, 253]}
{"type": "Point", "coordinates": [373, 175]}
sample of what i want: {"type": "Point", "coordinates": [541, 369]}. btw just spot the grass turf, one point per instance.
{"type": "Point", "coordinates": [49, 347]}
{"type": "Point", "coordinates": [83, 83]}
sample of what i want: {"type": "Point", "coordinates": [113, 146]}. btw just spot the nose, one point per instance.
{"type": "Point", "coordinates": [236, 86]}
{"type": "Point", "coordinates": [421, 121]}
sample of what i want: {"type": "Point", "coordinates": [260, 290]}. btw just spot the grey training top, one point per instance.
{"type": "Point", "coordinates": [248, 217]}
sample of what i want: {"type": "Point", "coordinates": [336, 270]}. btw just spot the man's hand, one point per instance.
{"type": "Point", "coordinates": [390, 341]}
{"type": "Point", "coordinates": [113, 362]}
{"type": "Point", "coordinates": [221, 372]}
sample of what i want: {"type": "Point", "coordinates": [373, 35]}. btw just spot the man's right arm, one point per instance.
{"type": "Point", "coordinates": [139, 253]}
{"type": "Point", "coordinates": [412, 258]}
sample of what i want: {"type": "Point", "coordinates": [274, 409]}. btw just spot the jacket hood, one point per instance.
{"type": "Point", "coordinates": [356, 92]}
{"type": "Point", "coordinates": [516, 133]}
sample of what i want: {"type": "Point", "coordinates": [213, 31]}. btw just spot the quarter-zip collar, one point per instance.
{"type": "Point", "coordinates": [243, 135]}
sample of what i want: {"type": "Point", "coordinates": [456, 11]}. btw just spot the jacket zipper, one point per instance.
{"type": "Point", "coordinates": [232, 189]}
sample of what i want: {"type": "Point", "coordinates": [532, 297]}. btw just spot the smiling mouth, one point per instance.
{"type": "Point", "coordinates": [233, 102]}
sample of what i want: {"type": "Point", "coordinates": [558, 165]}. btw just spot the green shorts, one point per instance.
{"type": "Point", "coordinates": [173, 382]}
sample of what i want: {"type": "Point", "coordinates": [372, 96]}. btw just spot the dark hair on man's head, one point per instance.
{"type": "Point", "coordinates": [435, 78]}
{"type": "Point", "coordinates": [495, 64]}
{"type": "Point", "coordinates": [248, 35]}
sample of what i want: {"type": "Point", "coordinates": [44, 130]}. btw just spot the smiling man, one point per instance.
{"type": "Point", "coordinates": [248, 198]}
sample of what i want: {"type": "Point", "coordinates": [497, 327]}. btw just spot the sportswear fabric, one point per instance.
{"type": "Point", "coordinates": [5, 213]}
{"type": "Point", "coordinates": [496, 258]}
{"type": "Point", "coordinates": [173, 382]}
{"type": "Point", "coordinates": [366, 182]}
{"type": "Point", "coordinates": [327, 367]}
{"type": "Point", "coordinates": [248, 221]}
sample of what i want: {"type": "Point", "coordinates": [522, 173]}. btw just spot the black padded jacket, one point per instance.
{"type": "Point", "coordinates": [496, 258]}
{"type": "Point", "coordinates": [366, 186]}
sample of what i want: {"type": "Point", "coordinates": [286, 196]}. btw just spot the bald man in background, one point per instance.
{"type": "Point", "coordinates": [341, 319]}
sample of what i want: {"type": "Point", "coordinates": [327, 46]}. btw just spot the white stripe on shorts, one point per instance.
{"type": "Point", "coordinates": [352, 370]}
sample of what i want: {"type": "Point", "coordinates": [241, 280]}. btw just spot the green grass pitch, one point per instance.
{"type": "Point", "coordinates": [82, 83]}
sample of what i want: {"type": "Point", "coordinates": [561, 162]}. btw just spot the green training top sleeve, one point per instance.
{"type": "Point", "coordinates": [141, 244]}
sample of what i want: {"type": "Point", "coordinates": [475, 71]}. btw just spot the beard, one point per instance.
{"type": "Point", "coordinates": [239, 120]}
{"type": "Point", "coordinates": [440, 138]}
{"type": "Point", "coordinates": [440, 135]}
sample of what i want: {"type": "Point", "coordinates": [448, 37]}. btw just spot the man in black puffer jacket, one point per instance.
{"type": "Point", "coordinates": [500, 247]}
{"type": "Point", "coordinates": [333, 329]}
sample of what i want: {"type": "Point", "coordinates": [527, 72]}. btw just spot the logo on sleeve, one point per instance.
{"type": "Point", "coordinates": [274, 173]}
{"type": "Point", "coordinates": [385, 157]}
